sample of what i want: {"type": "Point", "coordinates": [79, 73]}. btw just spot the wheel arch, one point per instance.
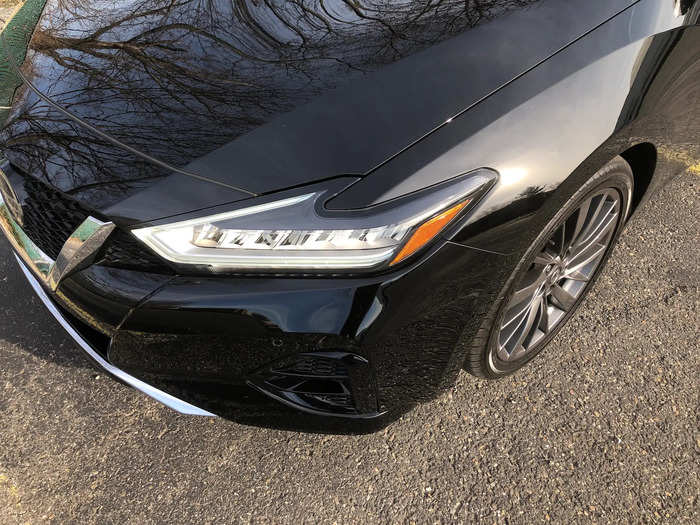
{"type": "Point", "coordinates": [642, 158]}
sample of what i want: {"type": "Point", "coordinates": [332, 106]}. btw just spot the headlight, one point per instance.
{"type": "Point", "coordinates": [298, 233]}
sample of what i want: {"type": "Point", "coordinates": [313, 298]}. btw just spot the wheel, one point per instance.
{"type": "Point", "coordinates": [554, 275]}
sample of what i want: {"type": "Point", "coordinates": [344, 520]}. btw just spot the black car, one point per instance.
{"type": "Point", "coordinates": [258, 208]}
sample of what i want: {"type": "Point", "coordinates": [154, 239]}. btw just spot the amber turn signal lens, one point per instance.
{"type": "Point", "coordinates": [427, 231]}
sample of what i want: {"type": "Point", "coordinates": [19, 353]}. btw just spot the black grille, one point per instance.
{"type": "Point", "coordinates": [122, 250]}
{"type": "Point", "coordinates": [336, 400]}
{"type": "Point", "coordinates": [314, 366]}
{"type": "Point", "coordinates": [332, 382]}
{"type": "Point", "coordinates": [49, 216]}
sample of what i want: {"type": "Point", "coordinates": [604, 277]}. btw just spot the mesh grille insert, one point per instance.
{"type": "Point", "coordinates": [328, 382]}
{"type": "Point", "coordinates": [122, 250]}
{"type": "Point", "coordinates": [49, 216]}
{"type": "Point", "coordinates": [313, 366]}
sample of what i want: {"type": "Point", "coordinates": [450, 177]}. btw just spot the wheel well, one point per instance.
{"type": "Point", "coordinates": [642, 159]}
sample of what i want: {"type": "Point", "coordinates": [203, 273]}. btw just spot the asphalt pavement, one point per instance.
{"type": "Point", "coordinates": [602, 427]}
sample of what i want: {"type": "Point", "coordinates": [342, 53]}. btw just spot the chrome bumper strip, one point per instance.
{"type": "Point", "coordinates": [170, 401]}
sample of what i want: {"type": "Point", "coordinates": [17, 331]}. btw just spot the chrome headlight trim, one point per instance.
{"type": "Point", "coordinates": [297, 233]}
{"type": "Point", "coordinates": [175, 242]}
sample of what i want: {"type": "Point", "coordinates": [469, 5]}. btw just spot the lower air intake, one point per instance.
{"type": "Point", "coordinates": [329, 383]}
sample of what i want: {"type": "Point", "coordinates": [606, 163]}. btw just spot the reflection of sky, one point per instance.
{"type": "Point", "coordinates": [178, 80]}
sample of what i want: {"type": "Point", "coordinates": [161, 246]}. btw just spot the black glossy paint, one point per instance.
{"type": "Point", "coordinates": [259, 97]}
{"type": "Point", "coordinates": [537, 130]}
{"type": "Point", "coordinates": [294, 92]}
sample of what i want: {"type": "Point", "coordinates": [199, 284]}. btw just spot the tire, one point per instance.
{"type": "Point", "coordinates": [505, 342]}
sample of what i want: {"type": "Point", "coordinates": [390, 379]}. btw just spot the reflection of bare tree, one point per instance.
{"type": "Point", "coordinates": [178, 78]}
{"type": "Point", "coordinates": [357, 32]}
{"type": "Point", "coordinates": [56, 149]}
{"type": "Point", "coordinates": [230, 56]}
{"type": "Point", "coordinates": [531, 191]}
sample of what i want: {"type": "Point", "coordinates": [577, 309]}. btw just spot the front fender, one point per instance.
{"type": "Point", "coordinates": [636, 79]}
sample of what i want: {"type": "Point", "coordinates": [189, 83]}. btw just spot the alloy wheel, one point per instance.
{"type": "Point", "coordinates": [559, 275]}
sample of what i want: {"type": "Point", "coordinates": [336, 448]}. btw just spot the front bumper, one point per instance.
{"type": "Point", "coordinates": [163, 397]}
{"type": "Point", "coordinates": [254, 349]}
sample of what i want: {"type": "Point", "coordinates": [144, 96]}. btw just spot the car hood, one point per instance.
{"type": "Point", "coordinates": [253, 97]}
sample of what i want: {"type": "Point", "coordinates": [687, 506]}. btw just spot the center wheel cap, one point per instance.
{"type": "Point", "coordinates": [555, 274]}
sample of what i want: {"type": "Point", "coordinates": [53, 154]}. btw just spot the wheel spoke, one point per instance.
{"type": "Point", "coordinates": [572, 228]}
{"type": "Point", "coordinates": [562, 240]}
{"type": "Point", "coordinates": [598, 227]}
{"type": "Point", "coordinates": [581, 219]}
{"type": "Point", "coordinates": [543, 323]}
{"type": "Point", "coordinates": [593, 239]}
{"type": "Point", "coordinates": [517, 353]}
{"type": "Point", "coordinates": [517, 315]}
{"type": "Point", "coordinates": [508, 333]}
{"type": "Point", "coordinates": [545, 259]}
{"type": "Point", "coordinates": [563, 298]}
{"type": "Point", "coordinates": [583, 258]}
{"type": "Point", "coordinates": [594, 216]}
{"type": "Point", "coordinates": [528, 291]}
{"type": "Point", "coordinates": [529, 322]}
{"type": "Point", "coordinates": [576, 275]}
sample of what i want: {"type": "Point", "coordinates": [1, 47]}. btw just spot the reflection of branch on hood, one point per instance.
{"type": "Point", "coordinates": [243, 46]}
{"type": "Point", "coordinates": [175, 78]}
{"type": "Point", "coordinates": [62, 153]}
